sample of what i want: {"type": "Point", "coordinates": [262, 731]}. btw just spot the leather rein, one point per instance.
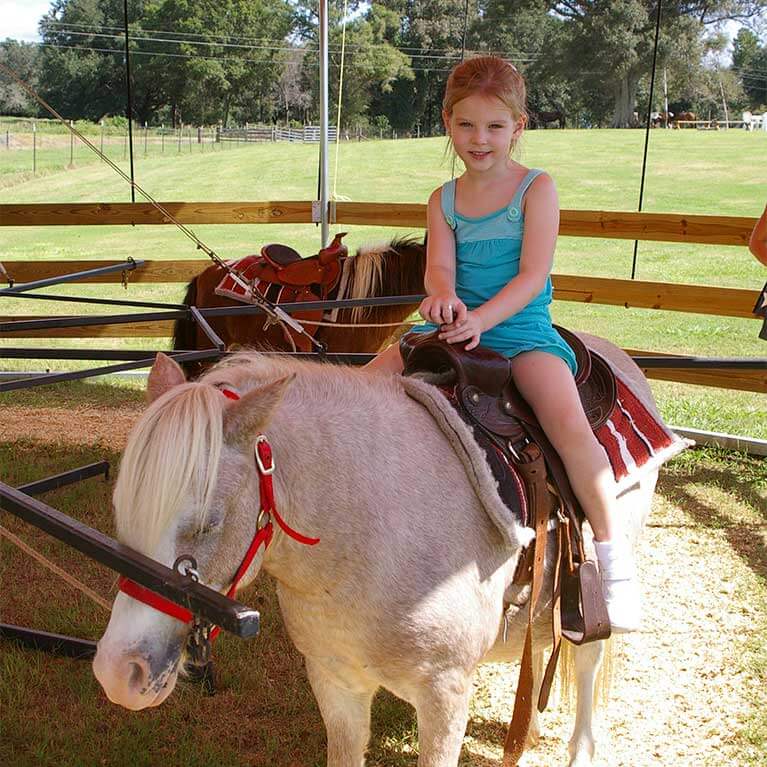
{"type": "Point", "coordinates": [204, 632]}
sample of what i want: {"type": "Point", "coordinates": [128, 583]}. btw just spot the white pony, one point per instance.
{"type": "Point", "coordinates": [405, 589]}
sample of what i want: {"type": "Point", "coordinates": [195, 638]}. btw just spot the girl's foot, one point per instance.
{"type": "Point", "coordinates": [620, 585]}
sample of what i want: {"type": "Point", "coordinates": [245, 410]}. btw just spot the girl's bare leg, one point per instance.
{"type": "Point", "coordinates": [388, 361]}
{"type": "Point", "coordinates": [547, 384]}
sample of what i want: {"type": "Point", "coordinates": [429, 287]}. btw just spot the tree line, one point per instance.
{"type": "Point", "coordinates": [229, 62]}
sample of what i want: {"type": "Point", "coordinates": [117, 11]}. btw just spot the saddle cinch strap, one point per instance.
{"type": "Point", "coordinates": [485, 395]}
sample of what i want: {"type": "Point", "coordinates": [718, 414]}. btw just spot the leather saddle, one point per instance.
{"type": "Point", "coordinates": [282, 265]}
{"type": "Point", "coordinates": [481, 387]}
{"type": "Point", "coordinates": [281, 275]}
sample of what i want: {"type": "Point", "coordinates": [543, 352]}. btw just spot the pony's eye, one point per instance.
{"type": "Point", "coordinates": [210, 526]}
{"type": "Point", "coordinates": [192, 532]}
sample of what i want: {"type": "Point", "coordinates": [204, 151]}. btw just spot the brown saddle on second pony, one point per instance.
{"type": "Point", "coordinates": [481, 387]}
{"type": "Point", "coordinates": [283, 276]}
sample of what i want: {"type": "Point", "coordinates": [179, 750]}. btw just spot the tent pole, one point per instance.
{"type": "Point", "coordinates": [324, 182]}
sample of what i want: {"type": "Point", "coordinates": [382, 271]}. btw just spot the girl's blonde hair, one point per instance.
{"type": "Point", "coordinates": [487, 76]}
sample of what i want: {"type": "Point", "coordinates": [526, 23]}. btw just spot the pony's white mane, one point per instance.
{"type": "Point", "coordinates": [171, 458]}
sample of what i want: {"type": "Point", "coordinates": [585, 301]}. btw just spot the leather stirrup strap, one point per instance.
{"type": "Point", "coordinates": [533, 472]}
{"type": "Point", "coordinates": [556, 614]}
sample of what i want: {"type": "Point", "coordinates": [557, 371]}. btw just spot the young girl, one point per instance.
{"type": "Point", "coordinates": [492, 234]}
{"type": "Point", "coordinates": [757, 243]}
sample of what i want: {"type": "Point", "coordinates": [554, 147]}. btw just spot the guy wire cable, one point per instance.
{"type": "Point", "coordinates": [272, 310]}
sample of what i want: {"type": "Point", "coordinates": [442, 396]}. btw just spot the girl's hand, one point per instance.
{"type": "Point", "coordinates": [469, 330]}
{"type": "Point", "coordinates": [443, 309]}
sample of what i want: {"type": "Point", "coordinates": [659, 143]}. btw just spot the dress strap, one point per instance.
{"type": "Point", "coordinates": [447, 199]}
{"type": "Point", "coordinates": [514, 211]}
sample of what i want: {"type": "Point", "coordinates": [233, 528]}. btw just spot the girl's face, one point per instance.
{"type": "Point", "coordinates": [482, 129]}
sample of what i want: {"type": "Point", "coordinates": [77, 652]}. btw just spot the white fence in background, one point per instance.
{"type": "Point", "coordinates": [308, 134]}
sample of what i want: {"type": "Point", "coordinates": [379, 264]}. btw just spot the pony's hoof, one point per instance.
{"type": "Point", "coordinates": [581, 757]}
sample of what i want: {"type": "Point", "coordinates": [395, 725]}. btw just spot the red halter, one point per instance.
{"type": "Point", "coordinates": [263, 536]}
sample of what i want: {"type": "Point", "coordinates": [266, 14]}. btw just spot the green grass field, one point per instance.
{"type": "Point", "coordinates": [688, 172]}
{"type": "Point", "coordinates": [709, 514]}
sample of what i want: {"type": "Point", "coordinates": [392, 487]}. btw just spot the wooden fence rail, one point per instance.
{"type": "Point", "coordinates": [640, 294]}
{"type": "Point", "coordinates": [662, 227]}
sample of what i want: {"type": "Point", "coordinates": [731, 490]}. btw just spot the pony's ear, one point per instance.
{"type": "Point", "coordinates": [165, 374]}
{"type": "Point", "coordinates": [252, 412]}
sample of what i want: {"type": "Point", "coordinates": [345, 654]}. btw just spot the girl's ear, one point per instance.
{"type": "Point", "coordinates": [164, 375]}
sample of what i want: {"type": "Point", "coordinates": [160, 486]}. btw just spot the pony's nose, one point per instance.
{"type": "Point", "coordinates": [125, 678]}
{"type": "Point", "coordinates": [137, 674]}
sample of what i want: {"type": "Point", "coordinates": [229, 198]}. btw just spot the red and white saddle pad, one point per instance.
{"type": "Point", "coordinates": [635, 440]}
{"type": "Point", "coordinates": [247, 268]}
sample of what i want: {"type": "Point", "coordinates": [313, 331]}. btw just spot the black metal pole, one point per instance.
{"type": "Point", "coordinates": [130, 102]}
{"type": "Point", "coordinates": [199, 599]}
{"type": "Point", "coordinates": [647, 131]}
{"type": "Point", "coordinates": [45, 379]}
{"type": "Point", "coordinates": [22, 287]}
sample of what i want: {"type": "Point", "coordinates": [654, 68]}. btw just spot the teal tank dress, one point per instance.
{"type": "Point", "coordinates": [488, 251]}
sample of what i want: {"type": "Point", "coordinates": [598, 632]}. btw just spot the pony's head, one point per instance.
{"type": "Point", "coordinates": [187, 485]}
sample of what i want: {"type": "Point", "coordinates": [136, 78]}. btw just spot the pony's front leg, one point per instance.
{"type": "Point", "coordinates": [345, 709]}
{"type": "Point", "coordinates": [443, 710]}
{"type": "Point", "coordinates": [587, 659]}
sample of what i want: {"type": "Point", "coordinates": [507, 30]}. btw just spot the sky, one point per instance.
{"type": "Point", "coordinates": [18, 18]}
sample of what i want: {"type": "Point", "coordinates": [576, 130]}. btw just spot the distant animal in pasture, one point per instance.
{"type": "Point", "coordinates": [546, 118]}
{"type": "Point", "coordinates": [659, 119]}
{"type": "Point", "coordinates": [685, 117]}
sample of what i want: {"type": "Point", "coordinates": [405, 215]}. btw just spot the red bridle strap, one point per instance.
{"type": "Point", "coordinates": [263, 537]}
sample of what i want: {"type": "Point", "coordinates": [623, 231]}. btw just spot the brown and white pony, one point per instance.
{"type": "Point", "coordinates": [392, 269]}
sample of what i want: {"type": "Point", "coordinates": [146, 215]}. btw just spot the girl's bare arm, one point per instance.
{"type": "Point", "coordinates": [758, 242]}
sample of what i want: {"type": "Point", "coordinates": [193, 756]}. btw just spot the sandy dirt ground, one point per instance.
{"type": "Point", "coordinates": [677, 698]}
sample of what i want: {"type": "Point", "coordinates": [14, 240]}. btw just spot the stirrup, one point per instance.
{"type": "Point", "coordinates": [584, 612]}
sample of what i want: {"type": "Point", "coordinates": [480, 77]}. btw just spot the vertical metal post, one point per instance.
{"type": "Point", "coordinates": [71, 146]}
{"type": "Point", "coordinates": [647, 129]}
{"type": "Point", "coordinates": [101, 123]}
{"type": "Point", "coordinates": [162, 139]}
{"type": "Point", "coordinates": [34, 147]}
{"type": "Point", "coordinates": [130, 102]}
{"type": "Point", "coordinates": [146, 136]}
{"type": "Point", "coordinates": [323, 180]}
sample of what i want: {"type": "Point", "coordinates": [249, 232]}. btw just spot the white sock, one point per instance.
{"type": "Point", "coordinates": [616, 561]}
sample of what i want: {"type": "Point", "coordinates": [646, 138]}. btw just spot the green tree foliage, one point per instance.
{"type": "Point", "coordinates": [611, 41]}
{"type": "Point", "coordinates": [371, 62]}
{"type": "Point", "coordinates": [189, 58]}
{"type": "Point", "coordinates": [222, 61]}
{"type": "Point", "coordinates": [21, 58]}
{"type": "Point", "coordinates": [749, 63]}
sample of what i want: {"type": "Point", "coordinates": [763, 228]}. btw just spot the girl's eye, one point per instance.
{"type": "Point", "coordinates": [464, 125]}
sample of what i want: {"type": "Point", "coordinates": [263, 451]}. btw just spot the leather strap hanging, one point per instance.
{"type": "Point", "coordinates": [533, 470]}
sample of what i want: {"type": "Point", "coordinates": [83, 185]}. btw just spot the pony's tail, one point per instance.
{"type": "Point", "coordinates": [567, 676]}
